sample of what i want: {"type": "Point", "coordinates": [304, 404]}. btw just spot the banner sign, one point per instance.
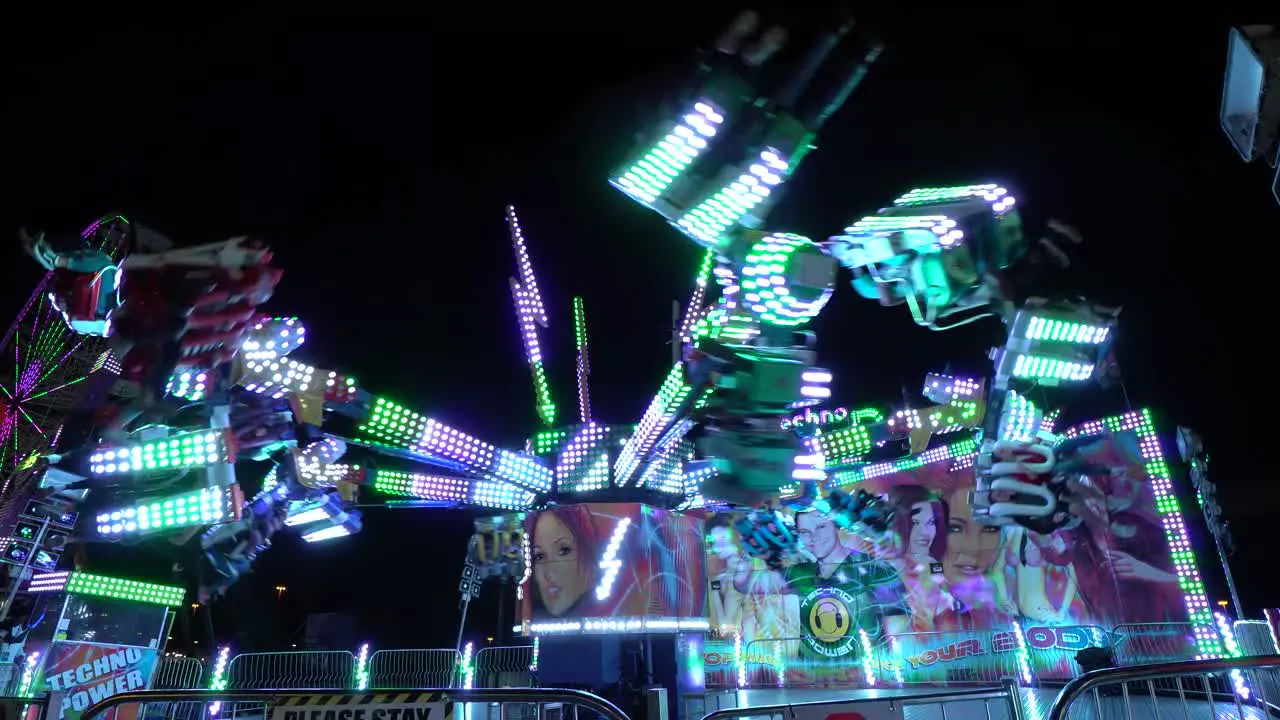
{"type": "Point", "coordinates": [79, 674]}
{"type": "Point", "coordinates": [406, 711]}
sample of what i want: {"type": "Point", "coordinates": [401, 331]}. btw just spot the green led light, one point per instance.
{"type": "Point", "coordinates": [933, 195]}
{"type": "Point", "coordinates": [842, 444]}
{"type": "Point", "coordinates": [197, 507]}
{"type": "Point", "coordinates": [196, 449]}
{"type": "Point", "coordinates": [658, 166]}
{"type": "Point", "coordinates": [393, 424]}
{"type": "Point", "coordinates": [1040, 367]}
{"type": "Point", "coordinates": [121, 589]}
{"type": "Point", "coordinates": [548, 442]}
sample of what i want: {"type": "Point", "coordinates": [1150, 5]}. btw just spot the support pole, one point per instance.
{"type": "Point", "coordinates": [466, 605]}
{"type": "Point", "coordinates": [1192, 451]}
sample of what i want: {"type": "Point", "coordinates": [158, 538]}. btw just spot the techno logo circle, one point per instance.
{"type": "Point", "coordinates": [828, 616]}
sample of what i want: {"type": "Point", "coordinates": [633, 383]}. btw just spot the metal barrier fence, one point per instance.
{"type": "Point", "coordinates": [922, 657]}
{"type": "Point", "coordinates": [408, 669]}
{"type": "Point", "coordinates": [505, 667]}
{"type": "Point", "coordinates": [175, 673]}
{"type": "Point", "coordinates": [310, 670]}
{"type": "Point", "coordinates": [1136, 643]}
{"type": "Point", "coordinates": [314, 670]}
{"type": "Point", "coordinates": [178, 673]}
{"type": "Point", "coordinates": [1002, 704]}
{"type": "Point", "coordinates": [1193, 690]}
{"type": "Point", "coordinates": [549, 701]}
{"type": "Point", "coordinates": [1255, 638]}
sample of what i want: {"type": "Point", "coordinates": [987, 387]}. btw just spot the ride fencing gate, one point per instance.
{"type": "Point", "coordinates": [406, 669]}
{"type": "Point", "coordinates": [411, 669]}
{"type": "Point", "coordinates": [494, 667]}
{"type": "Point", "coordinates": [176, 672]}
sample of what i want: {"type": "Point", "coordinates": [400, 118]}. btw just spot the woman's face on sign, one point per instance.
{"type": "Point", "coordinates": [560, 577]}
{"type": "Point", "coordinates": [924, 528]}
{"type": "Point", "coordinates": [971, 547]}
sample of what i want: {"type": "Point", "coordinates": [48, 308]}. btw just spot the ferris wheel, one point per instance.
{"type": "Point", "coordinates": [43, 365]}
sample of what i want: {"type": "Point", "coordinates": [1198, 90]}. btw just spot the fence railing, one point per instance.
{"type": "Point", "coordinates": [505, 667]}
{"type": "Point", "coordinates": [1001, 704]}
{"type": "Point", "coordinates": [178, 673]}
{"type": "Point", "coordinates": [1255, 637]}
{"type": "Point", "coordinates": [408, 669]}
{"type": "Point", "coordinates": [175, 673]}
{"type": "Point", "coordinates": [1136, 643]}
{"type": "Point", "coordinates": [1235, 689]}
{"type": "Point", "coordinates": [312, 670]}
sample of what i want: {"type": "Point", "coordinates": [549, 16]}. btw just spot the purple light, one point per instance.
{"type": "Point", "coordinates": [49, 582]}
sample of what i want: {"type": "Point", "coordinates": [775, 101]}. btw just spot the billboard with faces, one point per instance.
{"type": "Point", "coordinates": [942, 597]}
{"type": "Point", "coordinates": [612, 560]}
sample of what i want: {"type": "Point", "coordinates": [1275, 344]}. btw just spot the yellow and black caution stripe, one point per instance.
{"type": "Point", "coordinates": [362, 706]}
{"type": "Point", "coordinates": [387, 698]}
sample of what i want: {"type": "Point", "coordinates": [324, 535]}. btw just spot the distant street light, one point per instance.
{"type": "Point", "coordinates": [280, 591]}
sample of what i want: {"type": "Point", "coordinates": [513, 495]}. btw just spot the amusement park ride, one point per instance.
{"type": "Point", "coordinates": [1250, 100]}
{"type": "Point", "coordinates": [145, 376]}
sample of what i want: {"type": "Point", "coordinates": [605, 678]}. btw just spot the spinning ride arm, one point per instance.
{"type": "Point", "coordinates": [743, 130]}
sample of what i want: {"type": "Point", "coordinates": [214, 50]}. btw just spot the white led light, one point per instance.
{"type": "Point", "coordinates": [610, 563]}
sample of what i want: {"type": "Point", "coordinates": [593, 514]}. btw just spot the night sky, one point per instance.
{"type": "Point", "coordinates": [377, 166]}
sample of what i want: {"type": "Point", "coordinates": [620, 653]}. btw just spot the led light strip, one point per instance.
{"type": "Point", "coordinates": [605, 626]}
{"type": "Point", "coordinates": [650, 176]}
{"type": "Point", "coordinates": [957, 453]}
{"type": "Point", "coordinates": [610, 563]}
{"type": "Point", "coordinates": [362, 668]}
{"type": "Point", "coordinates": [399, 427]}
{"type": "Point", "coordinates": [188, 450]}
{"type": "Point", "coordinates": [207, 506]}
{"type": "Point", "coordinates": [694, 310]}
{"type": "Point", "coordinates": [524, 266]}
{"type": "Point", "coordinates": [588, 439]}
{"type": "Point", "coordinates": [218, 678]}
{"type": "Point", "coordinates": [583, 360]}
{"type": "Point", "coordinates": [81, 583]}
{"type": "Point", "coordinates": [1228, 635]}
{"type": "Point", "coordinates": [711, 218]}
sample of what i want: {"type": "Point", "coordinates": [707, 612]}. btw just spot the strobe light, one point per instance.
{"type": "Point", "coordinates": [324, 509]}
{"type": "Point", "coordinates": [342, 525]}
{"type": "Point", "coordinates": [1251, 91]}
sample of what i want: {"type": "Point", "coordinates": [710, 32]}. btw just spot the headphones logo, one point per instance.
{"type": "Point", "coordinates": [828, 614]}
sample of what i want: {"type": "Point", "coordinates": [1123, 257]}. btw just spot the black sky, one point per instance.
{"type": "Point", "coordinates": [377, 165]}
